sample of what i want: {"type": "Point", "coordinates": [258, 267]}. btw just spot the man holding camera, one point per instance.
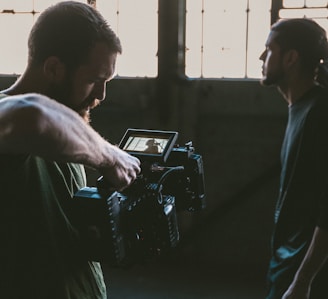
{"type": "Point", "coordinates": [45, 139]}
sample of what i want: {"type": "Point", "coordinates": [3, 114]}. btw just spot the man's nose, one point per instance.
{"type": "Point", "coordinates": [100, 91]}
{"type": "Point", "coordinates": [262, 56]}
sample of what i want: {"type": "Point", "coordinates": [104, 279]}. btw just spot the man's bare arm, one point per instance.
{"type": "Point", "coordinates": [314, 259]}
{"type": "Point", "coordinates": [37, 125]}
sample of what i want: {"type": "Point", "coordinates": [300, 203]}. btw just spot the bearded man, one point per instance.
{"type": "Point", "coordinates": [45, 141]}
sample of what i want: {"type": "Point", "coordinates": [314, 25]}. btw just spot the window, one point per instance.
{"type": "Point", "coordinates": [136, 24]}
{"type": "Point", "coordinates": [16, 20]}
{"type": "Point", "coordinates": [314, 9]}
{"type": "Point", "coordinates": [134, 21]}
{"type": "Point", "coordinates": [225, 38]}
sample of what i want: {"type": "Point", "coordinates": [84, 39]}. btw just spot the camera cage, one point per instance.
{"type": "Point", "coordinates": [140, 222]}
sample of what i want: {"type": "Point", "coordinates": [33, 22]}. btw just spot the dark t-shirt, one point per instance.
{"type": "Point", "coordinates": [302, 202]}
{"type": "Point", "coordinates": [40, 252]}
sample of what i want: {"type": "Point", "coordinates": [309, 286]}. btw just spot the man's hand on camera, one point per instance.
{"type": "Point", "coordinates": [123, 170]}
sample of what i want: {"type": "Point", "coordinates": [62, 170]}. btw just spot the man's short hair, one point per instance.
{"type": "Point", "coordinates": [306, 37]}
{"type": "Point", "coordinates": [69, 30]}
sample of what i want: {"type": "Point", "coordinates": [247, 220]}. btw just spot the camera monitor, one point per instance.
{"type": "Point", "coordinates": [149, 144]}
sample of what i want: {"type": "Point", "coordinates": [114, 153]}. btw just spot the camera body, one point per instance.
{"type": "Point", "coordinates": [132, 226]}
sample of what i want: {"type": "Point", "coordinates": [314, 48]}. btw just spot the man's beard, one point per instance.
{"type": "Point", "coordinates": [84, 109]}
{"type": "Point", "coordinates": [275, 76]}
{"type": "Point", "coordinates": [63, 92]}
{"type": "Point", "coordinates": [272, 79]}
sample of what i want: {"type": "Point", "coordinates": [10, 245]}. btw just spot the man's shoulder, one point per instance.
{"type": "Point", "coordinates": [317, 110]}
{"type": "Point", "coordinates": [318, 99]}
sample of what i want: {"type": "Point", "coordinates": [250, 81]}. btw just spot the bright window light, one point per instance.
{"type": "Point", "coordinates": [313, 9]}
{"type": "Point", "coordinates": [304, 3]}
{"type": "Point", "coordinates": [316, 3]}
{"type": "Point", "coordinates": [13, 56]}
{"type": "Point", "coordinates": [225, 38]}
{"type": "Point", "coordinates": [304, 13]}
{"type": "Point", "coordinates": [135, 22]}
{"type": "Point", "coordinates": [293, 3]}
{"type": "Point", "coordinates": [40, 5]}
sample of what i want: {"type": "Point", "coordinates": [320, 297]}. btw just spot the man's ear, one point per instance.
{"type": "Point", "coordinates": [54, 69]}
{"type": "Point", "coordinates": [290, 58]}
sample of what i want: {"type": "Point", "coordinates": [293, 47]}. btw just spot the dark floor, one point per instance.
{"type": "Point", "coordinates": [226, 260]}
{"type": "Point", "coordinates": [172, 282]}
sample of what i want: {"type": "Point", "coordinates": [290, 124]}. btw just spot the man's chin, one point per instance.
{"type": "Point", "coordinates": [266, 82]}
{"type": "Point", "coordinates": [85, 114]}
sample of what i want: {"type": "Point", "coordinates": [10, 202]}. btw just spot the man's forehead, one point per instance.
{"type": "Point", "coordinates": [272, 38]}
{"type": "Point", "coordinates": [100, 59]}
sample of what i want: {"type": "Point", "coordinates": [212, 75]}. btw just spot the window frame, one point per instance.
{"type": "Point", "coordinates": [171, 55]}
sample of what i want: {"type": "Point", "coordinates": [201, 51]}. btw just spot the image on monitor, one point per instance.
{"type": "Point", "coordinates": [148, 143]}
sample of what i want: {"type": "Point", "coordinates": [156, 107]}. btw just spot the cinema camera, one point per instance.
{"type": "Point", "coordinates": [124, 228]}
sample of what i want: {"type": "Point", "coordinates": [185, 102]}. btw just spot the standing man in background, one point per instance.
{"type": "Point", "coordinates": [45, 140]}
{"type": "Point", "coordinates": [294, 61]}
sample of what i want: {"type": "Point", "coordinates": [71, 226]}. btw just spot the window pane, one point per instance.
{"type": "Point", "coordinates": [13, 56]}
{"type": "Point", "coordinates": [293, 3]}
{"type": "Point", "coordinates": [303, 13]}
{"type": "Point", "coordinates": [136, 24]}
{"type": "Point", "coordinates": [224, 39]}
{"type": "Point", "coordinates": [257, 36]}
{"type": "Point", "coordinates": [304, 3]}
{"type": "Point", "coordinates": [316, 3]}
{"type": "Point", "coordinates": [16, 5]}
{"type": "Point", "coordinates": [194, 39]}
{"type": "Point", "coordinates": [41, 5]}
{"type": "Point", "coordinates": [134, 21]}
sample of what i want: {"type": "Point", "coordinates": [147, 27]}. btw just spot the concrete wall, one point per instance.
{"type": "Point", "coordinates": [237, 126]}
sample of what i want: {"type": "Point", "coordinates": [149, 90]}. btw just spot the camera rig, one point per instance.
{"type": "Point", "coordinates": [123, 228]}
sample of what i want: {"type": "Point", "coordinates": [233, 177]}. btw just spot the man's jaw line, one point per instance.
{"type": "Point", "coordinates": [84, 111]}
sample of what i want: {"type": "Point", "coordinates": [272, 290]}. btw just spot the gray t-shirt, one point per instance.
{"type": "Point", "coordinates": [303, 202]}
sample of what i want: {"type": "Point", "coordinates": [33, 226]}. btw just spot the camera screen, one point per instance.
{"type": "Point", "coordinates": [148, 144]}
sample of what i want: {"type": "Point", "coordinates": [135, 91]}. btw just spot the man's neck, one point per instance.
{"type": "Point", "coordinates": [293, 91]}
{"type": "Point", "coordinates": [26, 83]}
